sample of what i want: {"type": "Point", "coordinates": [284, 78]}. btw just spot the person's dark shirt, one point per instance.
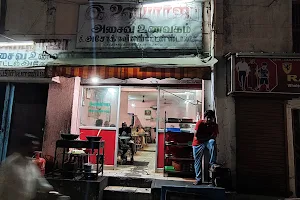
{"type": "Point", "coordinates": [99, 122]}
{"type": "Point", "coordinates": [125, 131]}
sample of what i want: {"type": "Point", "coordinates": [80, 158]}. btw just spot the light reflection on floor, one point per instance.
{"type": "Point", "coordinates": [143, 157]}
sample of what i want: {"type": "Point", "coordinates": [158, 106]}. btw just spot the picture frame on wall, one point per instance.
{"type": "Point", "coordinates": [147, 112]}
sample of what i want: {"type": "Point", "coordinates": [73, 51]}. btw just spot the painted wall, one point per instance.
{"type": "Point", "coordinates": [37, 21]}
{"type": "Point", "coordinates": [253, 26]}
{"type": "Point", "coordinates": [58, 113]}
{"type": "Point", "coordinates": [139, 111]}
{"type": "Point", "coordinates": [244, 26]}
{"type": "Point", "coordinates": [124, 117]}
{"type": "Point", "coordinates": [208, 94]}
{"type": "Point", "coordinates": [75, 122]}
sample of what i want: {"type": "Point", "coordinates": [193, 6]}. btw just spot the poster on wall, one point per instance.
{"type": "Point", "coordinates": [163, 25]}
{"type": "Point", "coordinates": [266, 75]}
{"type": "Point", "coordinates": [99, 109]}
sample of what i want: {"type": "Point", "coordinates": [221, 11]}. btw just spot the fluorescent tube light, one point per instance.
{"type": "Point", "coordinates": [15, 43]}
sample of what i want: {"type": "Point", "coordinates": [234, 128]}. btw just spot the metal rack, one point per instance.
{"type": "Point", "coordinates": [79, 144]}
{"type": "Point", "coordinates": [177, 144]}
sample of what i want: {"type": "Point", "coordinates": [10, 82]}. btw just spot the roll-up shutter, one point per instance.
{"type": "Point", "coordinates": [261, 146]}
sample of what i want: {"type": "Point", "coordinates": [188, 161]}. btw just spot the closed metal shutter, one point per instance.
{"type": "Point", "coordinates": [261, 146]}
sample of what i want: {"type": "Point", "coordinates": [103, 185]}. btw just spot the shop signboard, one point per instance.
{"type": "Point", "coordinates": [163, 25]}
{"type": "Point", "coordinates": [38, 55]}
{"type": "Point", "coordinates": [25, 58]}
{"type": "Point", "coordinates": [96, 107]}
{"type": "Point", "coordinates": [266, 75]}
{"type": "Point", "coordinates": [22, 73]}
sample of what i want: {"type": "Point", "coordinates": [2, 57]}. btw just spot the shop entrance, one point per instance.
{"type": "Point", "coordinates": [23, 110]}
{"type": "Point", "coordinates": [28, 113]}
{"type": "Point", "coordinates": [139, 112]}
{"type": "Point", "coordinates": [145, 115]}
{"type": "Point", "coordinates": [141, 108]}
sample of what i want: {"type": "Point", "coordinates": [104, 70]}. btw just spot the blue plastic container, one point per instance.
{"type": "Point", "coordinates": [175, 130]}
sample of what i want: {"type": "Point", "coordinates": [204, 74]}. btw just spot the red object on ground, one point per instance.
{"type": "Point", "coordinates": [161, 151]}
{"type": "Point", "coordinates": [109, 136]}
{"type": "Point", "coordinates": [40, 162]}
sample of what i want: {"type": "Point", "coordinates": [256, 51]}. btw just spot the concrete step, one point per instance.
{"type": "Point", "coordinates": [129, 182]}
{"type": "Point", "coordinates": [126, 193]}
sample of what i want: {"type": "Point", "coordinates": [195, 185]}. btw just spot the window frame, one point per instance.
{"type": "Point", "coordinates": [94, 127]}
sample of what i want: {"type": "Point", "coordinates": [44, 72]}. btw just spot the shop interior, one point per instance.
{"type": "Point", "coordinates": [137, 114]}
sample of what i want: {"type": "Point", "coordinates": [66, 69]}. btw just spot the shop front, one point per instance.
{"type": "Point", "coordinates": [264, 88]}
{"type": "Point", "coordinates": [21, 91]}
{"type": "Point", "coordinates": [24, 89]}
{"type": "Point", "coordinates": [110, 96]}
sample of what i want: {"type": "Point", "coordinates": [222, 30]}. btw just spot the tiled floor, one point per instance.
{"type": "Point", "coordinates": [147, 171]}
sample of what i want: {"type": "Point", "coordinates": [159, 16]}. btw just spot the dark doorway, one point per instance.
{"type": "Point", "coordinates": [296, 131]}
{"type": "Point", "coordinates": [2, 98]}
{"type": "Point", "coordinates": [28, 113]}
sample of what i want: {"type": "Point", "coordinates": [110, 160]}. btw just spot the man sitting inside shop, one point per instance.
{"type": "Point", "coordinates": [99, 122]}
{"type": "Point", "coordinates": [125, 144]}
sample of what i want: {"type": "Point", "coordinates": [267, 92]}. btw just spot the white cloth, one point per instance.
{"type": "Point", "coordinates": [242, 66]}
{"type": "Point", "coordinates": [20, 179]}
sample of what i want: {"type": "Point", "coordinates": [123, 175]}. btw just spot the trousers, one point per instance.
{"type": "Point", "coordinates": [198, 154]}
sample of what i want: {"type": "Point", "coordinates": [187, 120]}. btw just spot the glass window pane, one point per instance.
{"type": "Point", "coordinates": [179, 103]}
{"type": "Point", "coordinates": [99, 106]}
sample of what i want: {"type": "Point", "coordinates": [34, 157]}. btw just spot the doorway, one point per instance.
{"type": "Point", "coordinates": [148, 107]}
{"type": "Point", "coordinates": [23, 110]}
{"type": "Point", "coordinates": [28, 114]}
{"type": "Point", "coordinates": [138, 111]}
{"type": "Point", "coordinates": [4, 104]}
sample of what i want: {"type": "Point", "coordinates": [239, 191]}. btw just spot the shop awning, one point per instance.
{"type": "Point", "coordinates": [125, 72]}
{"type": "Point", "coordinates": [185, 61]}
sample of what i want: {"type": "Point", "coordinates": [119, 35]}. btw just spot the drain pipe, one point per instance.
{"type": "Point", "coordinates": [212, 53]}
{"type": "Point", "coordinates": [212, 16]}
{"type": "Point", "coordinates": [3, 15]}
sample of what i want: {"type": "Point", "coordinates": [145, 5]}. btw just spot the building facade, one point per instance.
{"type": "Point", "coordinates": [254, 118]}
{"type": "Point", "coordinates": [260, 29]}
{"type": "Point", "coordinates": [66, 23]}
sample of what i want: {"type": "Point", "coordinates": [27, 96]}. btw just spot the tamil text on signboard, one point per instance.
{"type": "Point", "coordinates": [97, 109]}
{"type": "Point", "coordinates": [40, 54]}
{"type": "Point", "coordinates": [36, 73]}
{"type": "Point", "coordinates": [165, 25]}
{"type": "Point", "coordinates": [17, 58]}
